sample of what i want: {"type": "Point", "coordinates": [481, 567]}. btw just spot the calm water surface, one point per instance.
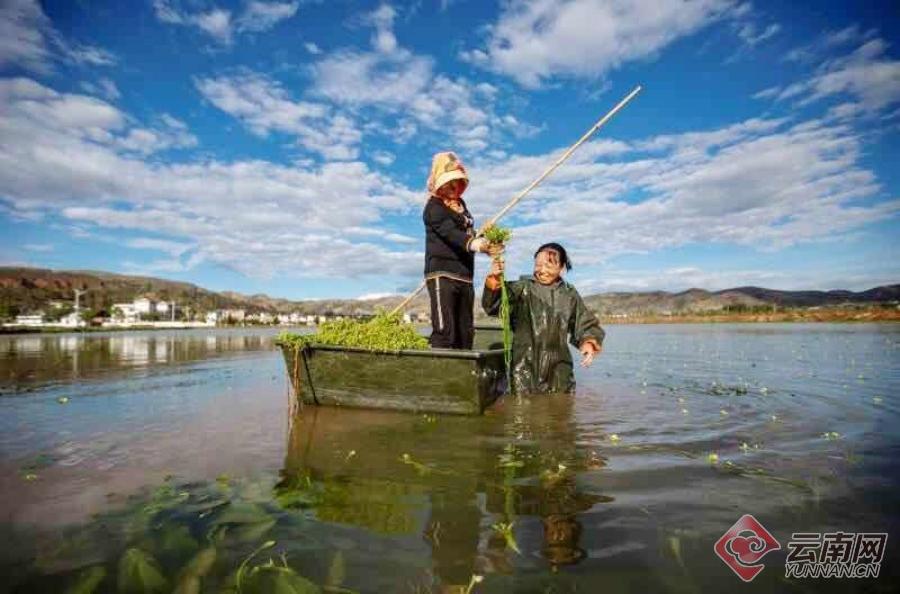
{"type": "Point", "coordinates": [175, 447]}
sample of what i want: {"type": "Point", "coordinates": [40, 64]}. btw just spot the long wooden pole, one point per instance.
{"type": "Point", "coordinates": [518, 198]}
{"type": "Point", "coordinates": [560, 161]}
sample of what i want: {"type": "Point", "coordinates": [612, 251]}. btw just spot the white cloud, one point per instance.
{"type": "Point", "coordinates": [22, 35]}
{"type": "Point", "coordinates": [264, 106]}
{"type": "Point", "coordinates": [28, 39]}
{"type": "Point", "coordinates": [382, 18]}
{"type": "Point", "coordinates": [174, 249]}
{"type": "Point", "coordinates": [262, 16]}
{"type": "Point", "coordinates": [87, 54]}
{"type": "Point", "coordinates": [867, 75]}
{"type": "Point", "coordinates": [765, 184]}
{"type": "Point", "coordinates": [312, 48]}
{"type": "Point", "coordinates": [404, 86]}
{"type": "Point", "coordinates": [104, 88]}
{"type": "Point", "coordinates": [220, 23]}
{"type": "Point", "coordinates": [66, 158]}
{"type": "Point", "coordinates": [38, 247]}
{"type": "Point", "coordinates": [216, 22]}
{"type": "Point", "coordinates": [383, 158]}
{"type": "Point", "coordinates": [535, 40]}
{"type": "Point", "coordinates": [374, 296]}
{"type": "Point", "coordinates": [828, 41]}
{"type": "Point", "coordinates": [752, 35]}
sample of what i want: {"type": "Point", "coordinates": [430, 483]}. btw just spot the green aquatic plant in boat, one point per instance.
{"type": "Point", "coordinates": [384, 332]}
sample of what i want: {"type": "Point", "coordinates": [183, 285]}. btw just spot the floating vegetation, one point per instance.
{"type": "Point", "coordinates": [718, 389]}
{"type": "Point", "coordinates": [614, 438]}
{"type": "Point", "coordinates": [63, 399]}
{"type": "Point", "coordinates": [384, 332]}
{"type": "Point", "coordinates": [594, 462]}
{"type": "Point", "coordinates": [505, 529]}
{"type": "Point", "coordinates": [877, 399]}
{"type": "Point", "coordinates": [730, 467]}
{"type": "Point", "coordinates": [422, 469]}
{"type": "Point", "coordinates": [831, 435]}
{"type": "Point", "coordinates": [553, 476]}
{"type": "Point", "coordinates": [476, 579]}
{"type": "Point", "coordinates": [713, 458]}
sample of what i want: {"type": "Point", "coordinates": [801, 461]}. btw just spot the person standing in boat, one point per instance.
{"type": "Point", "coordinates": [450, 248]}
{"type": "Point", "coordinates": [547, 314]}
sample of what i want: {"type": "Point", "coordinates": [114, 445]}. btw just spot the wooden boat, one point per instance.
{"type": "Point", "coordinates": [432, 380]}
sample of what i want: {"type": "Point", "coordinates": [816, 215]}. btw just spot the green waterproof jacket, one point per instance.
{"type": "Point", "coordinates": [545, 320]}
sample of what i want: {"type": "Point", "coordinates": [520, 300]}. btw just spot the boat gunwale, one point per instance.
{"type": "Point", "coordinates": [439, 353]}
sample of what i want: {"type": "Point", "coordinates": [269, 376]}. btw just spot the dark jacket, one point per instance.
{"type": "Point", "coordinates": [447, 237]}
{"type": "Point", "coordinates": [545, 320]}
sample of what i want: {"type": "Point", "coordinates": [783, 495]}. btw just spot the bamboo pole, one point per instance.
{"type": "Point", "coordinates": [518, 198]}
{"type": "Point", "coordinates": [565, 155]}
{"type": "Point", "coordinates": [411, 296]}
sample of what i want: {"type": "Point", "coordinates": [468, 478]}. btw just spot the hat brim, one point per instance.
{"type": "Point", "coordinates": [448, 177]}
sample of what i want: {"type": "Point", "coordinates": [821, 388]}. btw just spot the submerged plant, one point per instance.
{"type": "Point", "coordinates": [384, 332]}
{"type": "Point", "coordinates": [139, 572]}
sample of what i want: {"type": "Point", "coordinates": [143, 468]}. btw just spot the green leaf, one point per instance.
{"type": "Point", "coordinates": [272, 579]}
{"type": "Point", "coordinates": [196, 569]}
{"type": "Point", "coordinates": [200, 564]}
{"type": "Point", "coordinates": [139, 573]}
{"type": "Point", "coordinates": [242, 513]}
{"type": "Point", "coordinates": [88, 580]}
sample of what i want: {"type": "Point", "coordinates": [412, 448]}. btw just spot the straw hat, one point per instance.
{"type": "Point", "coordinates": [445, 167]}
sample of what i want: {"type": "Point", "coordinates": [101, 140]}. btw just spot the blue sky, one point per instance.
{"type": "Point", "coordinates": [282, 147]}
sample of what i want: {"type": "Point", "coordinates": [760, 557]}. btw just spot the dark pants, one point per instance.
{"type": "Point", "coordinates": [451, 313]}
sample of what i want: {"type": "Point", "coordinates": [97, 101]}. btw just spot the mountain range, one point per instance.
{"type": "Point", "coordinates": [25, 290]}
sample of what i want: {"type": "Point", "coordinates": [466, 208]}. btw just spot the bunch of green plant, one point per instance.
{"type": "Point", "coordinates": [496, 234]}
{"type": "Point", "coordinates": [384, 332]}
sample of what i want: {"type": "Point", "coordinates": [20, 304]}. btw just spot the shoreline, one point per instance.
{"type": "Point", "coordinates": [852, 316]}
{"type": "Point", "coordinates": [824, 316]}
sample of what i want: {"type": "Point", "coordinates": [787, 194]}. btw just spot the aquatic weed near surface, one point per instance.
{"type": "Point", "coordinates": [384, 332]}
{"type": "Point", "coordinates": [496, 234]}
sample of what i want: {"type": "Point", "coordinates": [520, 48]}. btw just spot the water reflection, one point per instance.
{"type": "Point", "coordinates": [27, 362]}
{"type": "Point", "coordinates": [483, 504]}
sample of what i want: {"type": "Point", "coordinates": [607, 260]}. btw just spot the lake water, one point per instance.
{"type": "Point", "coordinates": [125, 457]}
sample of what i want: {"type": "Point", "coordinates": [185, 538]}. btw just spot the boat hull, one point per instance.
{"type": "Point", "coordinates": [431, 380]}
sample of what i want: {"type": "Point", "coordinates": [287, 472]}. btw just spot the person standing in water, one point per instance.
{"type": "Point", "coordinates": [546, 315]}
{"type": "Point", "coordinates": [450, 248]}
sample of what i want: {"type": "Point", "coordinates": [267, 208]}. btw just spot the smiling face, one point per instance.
{"type": "Point", "coordinates": [547, 266]}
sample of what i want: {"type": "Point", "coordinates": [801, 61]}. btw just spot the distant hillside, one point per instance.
{"type": "Point", "coordinates": [24, 290]}
{"type": "Point", "coordinates": [738, 299]}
